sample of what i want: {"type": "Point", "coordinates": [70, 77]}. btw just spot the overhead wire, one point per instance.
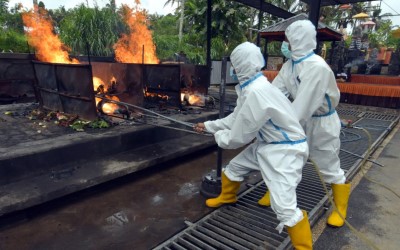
{"type": "Point", "coordinates": [390, 7]}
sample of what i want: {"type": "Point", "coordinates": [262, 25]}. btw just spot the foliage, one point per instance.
{"type": "Point", "coordinates": [13, 41]}
{"type": "Point", "coordinates": [11, 20]}
{"type": "Point", "coordinates": [274, 49]}
{"type": "Point", "coordinates": [165, 35]}
{"type": "Point", "coordinates": [3, 7]}
{"type": "Point", "coordinates": [80, 125]}
{"type": "Point", "coordinates": [95, 27]}
{"type": "Point", "coordinates": [228, 28]}
{"type": "Point", "coordinates": [12, 38]}
{"type": "Point", "coordinates": [99, 123]}
{"type": "Point", "coordinates": [382, 36]}
{"type": "Point", "coordinates": [57, 15]}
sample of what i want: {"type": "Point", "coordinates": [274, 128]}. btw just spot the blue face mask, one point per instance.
{"type": "Point", "coordinates": [285, 50]}
{"type": "Point", "coordinates": [232, 73]}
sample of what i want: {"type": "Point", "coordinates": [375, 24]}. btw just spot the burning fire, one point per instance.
{"type": "Point", "coordinates": [129, 48]}
{"type": "Point", "coordinates": [194, 99]}
{"type": "Point", "coordinates": [50, 49]}
{"type": "Point", "coordinates": [108, 108]}
{"type": "Point", "coordinates": [41, 36]}
{"type": "Point", "coordinates": [97, 84]}
{"type": "Point", "coordinates": [150, 94]}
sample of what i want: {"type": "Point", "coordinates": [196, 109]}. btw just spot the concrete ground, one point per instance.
{"type": "Point", "coordinates": [373, 209]}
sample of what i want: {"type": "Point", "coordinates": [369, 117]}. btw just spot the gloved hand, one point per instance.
{"type": "Point", "coordinates": [199, 127]}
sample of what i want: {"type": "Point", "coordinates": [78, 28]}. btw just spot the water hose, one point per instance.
{"type": "Point", "coordinates": [364, 159]}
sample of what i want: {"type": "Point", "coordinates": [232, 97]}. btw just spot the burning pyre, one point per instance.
{"type": "Point", "coordinates": [135, 47]}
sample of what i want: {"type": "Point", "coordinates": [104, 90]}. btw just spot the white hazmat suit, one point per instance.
{"type": "Point", "coordinates": [309, 80]}
{"type": "Point", "coordinates": [280, 149]}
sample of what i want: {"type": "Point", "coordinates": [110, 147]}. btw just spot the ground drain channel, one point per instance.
{"type": "Point", "coordinates": [249, 226]}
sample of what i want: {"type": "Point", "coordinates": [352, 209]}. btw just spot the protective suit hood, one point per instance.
{"type": "Point", "coordinates": [302, 38]}
{"type": "Point", "coordinates": [247, 61]}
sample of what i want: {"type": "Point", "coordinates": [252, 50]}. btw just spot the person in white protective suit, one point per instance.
{"type": "Point", "coordinates": [279, 151]}
{"type": "Point", "coordinates": [310, 82]}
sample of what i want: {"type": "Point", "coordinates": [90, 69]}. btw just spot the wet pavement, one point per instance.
{"type": "Point", "coordinates": [373, 209]}
{"type": "Point", "coordinates": [134, 212]}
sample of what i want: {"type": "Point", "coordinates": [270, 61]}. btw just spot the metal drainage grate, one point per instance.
{"type": "Point", "coordinates": [379, 116]}
{"type": "Point", "coordinates": [350, 112]}
{"type": "Point", "coordinates": [247, 225]}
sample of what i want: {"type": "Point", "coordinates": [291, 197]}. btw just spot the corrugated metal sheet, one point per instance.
{"type": "Point", "coordinates": [282, 25]}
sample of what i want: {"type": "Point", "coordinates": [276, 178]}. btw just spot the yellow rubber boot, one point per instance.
{"type": "Point", "coordinates": [265, 200]}
{"type": "Point", "coordinates": [341, 194]}
{"type": "Point", "coordinates": [228, 193]}
{"type": "Point", "coordinates": [300, 234]}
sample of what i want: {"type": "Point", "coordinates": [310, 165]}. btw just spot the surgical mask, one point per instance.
{"type": "Point", "coordinates": [285, 50]}
{"type": "Point", "coordinates": [232, 73]}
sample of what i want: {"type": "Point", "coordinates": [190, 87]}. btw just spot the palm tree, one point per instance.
{"type": "Point", "coordinates": [181, 8]}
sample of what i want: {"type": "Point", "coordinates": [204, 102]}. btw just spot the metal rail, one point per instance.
{"type": "Point", "coordinates": [187, 124]}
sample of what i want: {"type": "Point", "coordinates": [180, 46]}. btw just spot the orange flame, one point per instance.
{"type": "Point", "coordinates": [151, 94]}
{"type": "Point", "coordinates": [108, 108]}
{"type": "Point", "coordinates": [129, 48]}
{"type": "Point", "coordinates": [194, 99]}
{"type": "Point", "coordinates": [41, 36]}
{"type": "Point", "coordinates": [96, 84]}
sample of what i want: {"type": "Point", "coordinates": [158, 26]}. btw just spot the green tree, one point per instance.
{"type": "Point", "coordinates": [229, 25]}
{"type": "Point", "coordinates": [98, 28]}
{"type": "Point", "coordinates": [382, 37]}
{"type": "Point", "coordinates": [165, 35]}
{"type": "Point", "coordinates": [3, 12]}
{"type": "Point", "coordinates": [181, 10]}
{"type": "Point", "coordinates": [3, 6]}
{"type": "Point", "coordinates": [12, 38]}
{"type": "Point", "coordinates": [13, 41]}
{"type": "Point", "coordinates": [57, 15]}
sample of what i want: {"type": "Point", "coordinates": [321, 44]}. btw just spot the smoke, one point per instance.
{"type": "Point", "coordinates": [373, 60]}
{"type": "Point", "coordinates": [355, 62]}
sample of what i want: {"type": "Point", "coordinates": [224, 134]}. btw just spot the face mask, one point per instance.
{"type": "Point", "coordinates": [232, 73]}
{"type": "Point", "coordinates": [285, 50]}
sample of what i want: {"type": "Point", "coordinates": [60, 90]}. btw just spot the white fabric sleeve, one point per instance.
{"type": "Point", "coordinates": [249, 120]}
{"type": "Point", "coordinates": [311, 93]}
{"type": "Point", "coordinates": [224, 123]}
{"type": "Point", "coordinates": [279, 82]}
